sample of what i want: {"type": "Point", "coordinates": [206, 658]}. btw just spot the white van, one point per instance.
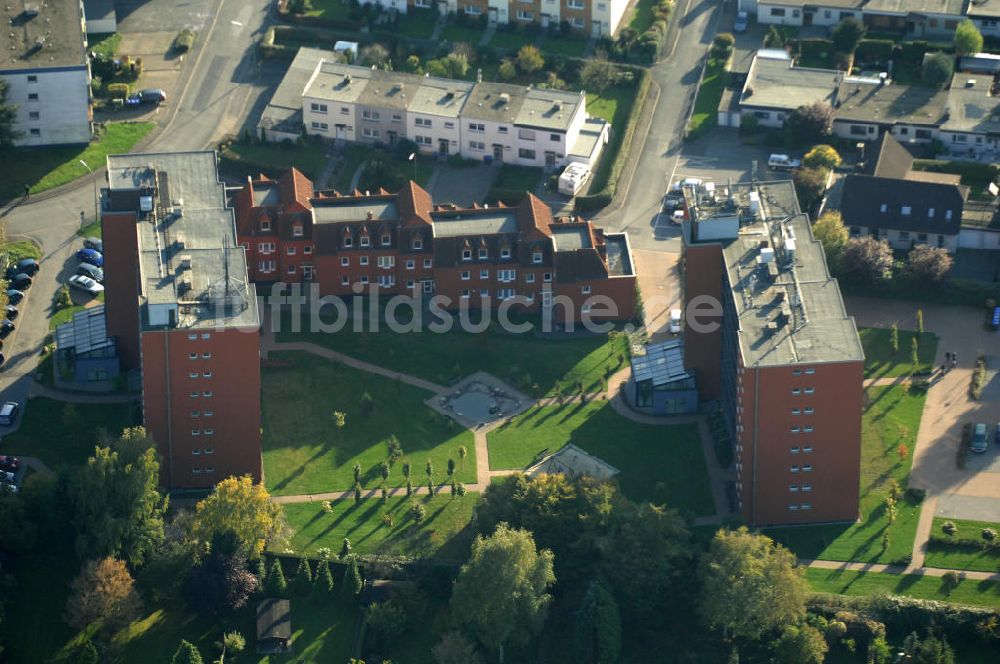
{"type": "Point", "coordinates": [782, 162]}
{"type": "Point", "coordinates": [572, 180]}
{"type": "Point", "coordinates": [675, 321]}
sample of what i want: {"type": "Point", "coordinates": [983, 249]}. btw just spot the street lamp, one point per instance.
{"type": "Point", "coordinates": [96, 204]}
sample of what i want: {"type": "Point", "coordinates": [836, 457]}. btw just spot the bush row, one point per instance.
{"type": "Point", "coordinates": [618, 151]}
{"type": "Point", "coordinates": [645, 48]}
{"type": "Point", "coordinates": [283, 41]}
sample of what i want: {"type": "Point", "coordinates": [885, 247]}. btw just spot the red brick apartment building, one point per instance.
{"type": "Point", "coordinates": [405, 244]}
{"type": "Point", "coordinates": [182, 309]}
{"type": "Point", "coordinates": [784, 359]}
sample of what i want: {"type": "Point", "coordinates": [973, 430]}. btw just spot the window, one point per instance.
{"type": "Point", "coordinates": [794, 469]}
{"type": "Point", "coordinates": [536, 257]}
{"type": "Point", "coordinates": [930, 213]}
{"type": "Point", "coordinates": [807, 450]}
{"type": "Point", "coordinates": [344, 110]}
{"type": "Point", "coordinates": [195, 395]}
{"type": "Point", "coordinates": [905, 210]}
{"type": "Point", "coordinates": [483, 253]}
{"type": "Point", "coordinates": [207, 374]}
{"type": "Point", "coordinates": [193, 374]}
{"type": "Point", "coordinates": [810, 371]}
{"type": "Point", "coordinates": [585, 290]}
{"type": "Point", "coordinates": [418, 243]}
{"type": "Point", "coordinates": [206, 336]}
{"type": "Point", "coordinates": [428, 262]}
{"type": "Point", "coordinates": [523, 15]}
{"type": "Point", "coordinates": [947, 215]}
{"type": "Point", "coordinates": [396, 117]}
{"type": "Point", "coordinates": [290, 251]}
{"type": "Point", "coordinates": [477, 145]}
{"type": "Point", "coordinates": [318, 108]}
{"type": "Point", "coordinates": [777, 11]}
{"type": "Point", "coordinates": [505, 252]}
{"type": "Point", "coordinates": [883, 208]}
{"type": "Point", "coordinates": [467, 254]}
{"type": "Point", "coordinates": [192, 356]}
{"type": "Point", "coordinates": [807, 468]}
{"type": "Point", "coordinates": [32, 96]}
{"type": "Point", "coordinates": [502, 129]}
{"type": "Point", "coordinates": [423, 140]}
{"type": "Point", "coordinates": [807, 487]}
{"type": "Point", "coordinates": [793, 508]}
{"type": "Point", "coordinates": [386, 262]}
{"type": "Point", "coordinates": [904, 236]}
{"type": "Point", "coordinates": [320, 126]}
{"type": "Point", "coordinates": [344, 280]}
{"type": "Point", "coordinates": [529, 278]}
{"type": "Point", "coordinates": [793, 487]}
{"type": "Point", "coordinates": [196, 471]}
{"type": "Point", "coordinates": [472, 9]}
{"type": "Point", "coordinates": [208, 413]}
{"type": "Point", "coordinates": [449, 125]}
{"type": "Point", "coordinates": [859, 130]}
{"type": "Point", "coordinates": [206, 356]}
{"type": "Point", "coordinates": [197, 450]}
{"type": "Point", "coordinates": [265, 247]}
{"type": "Point", "coordinates": [369, 114]}
{"type": "Point", "coordinates": [32, 78]}
{"type": "Point", "coordinates": [345, 261]}
{"type": "Point", "coordinates": [423, 122]}
{"type": "Point", "coordinates": [386, 280]}
{"type": "Point", "coordinates": [477, 127]}
{"type": "Point", "coordinates": [555, 138]}
{"type": "Point", "coordinates": [410, 264]}
{"type": "Point", "coordinates": [526, 134]}
{"type": "Point", "coordinates": [209, 470]}
{"type": "Point", "coordinates": [574, 4]}
{"type": "Point", "coordinates": [924, 134]}
{"type": "Point", "coordinates": [195, 432]}
{"type": "Point", "coordinates": [364, 260]}
{"type": "Point", "coordinates": [291, 269]}
{"type": "Point", "coordinates": [547, 277]}
{"type": "Point", "coordinates": [810, 390]}
{"type": "Point", "coordinates": [796, 411]}
{"type": "Point", "coordinates": [386, 239]}
{"type": "Point", "coordinates": [762, 115]}
{"type": "Point", "coordinates": [465, 293]}
{"type": "Point", "coordinates": [365, 241]}
{"type": "Point", "coordinates": [209, 432]}
{"type": "Point", "coordinates": [192, 337]}
{"type": "Point", "coordinates": [505, 293]}
{"type": "Point", "coordinates": [409, 283]}
{"type": "Point", "coordinates": [794, 450]}
{"type": "Point", "coordinates": [484, 274]}
{"type": "Point", "coordinates": [348, 241]}
{"type": "Point", "coordinates": [810, 410]}
{"type": "Point", "coordinates": [807, 506]}
{"type": "Point", "coordinates": [465, 275]}
{"type": "Point", "coordinates": [795, 430]}
{"type": "Point", "coordinates": [369, 132]}
{"type": "Point", "coordinates": [921, 237]}
{"type": "Point", "coordinates": [807, 429]}
{"type": "Point", "coordinates": [526, 154]}
{"type": "Point", "coordinates": [364, 278]}
{"type": "Point", "coordinates": [796, 391]}
{"type": "Point", "coordinates": [506, 276]}
{"type": "Point", "coordinates": [34, 115]}
{"type": "Point", "coordinates": [195, 413]}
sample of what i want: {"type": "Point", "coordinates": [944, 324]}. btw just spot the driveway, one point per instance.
{"type": "Point", "coordinates": [659, 281]}
{"type": "Point", "coordinates": [973, 492]}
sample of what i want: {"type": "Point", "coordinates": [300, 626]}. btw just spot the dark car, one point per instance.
{"type": "Point", "coordinates": [95, 243]}
{"type": "Point", "coordinates": [995, 319]}
{"type": "Point", "coordinates": [9, 463]}
{"type": "Point", "coordinates": [92, 271]}
{"type": "Point", "coordinates": [2, 360]}
{"type": "Point", "coordinates": [14, 296]}
{"type": "Point", "coordinates": [8, 411]}
{"type": "Point", "coordinates": [10, 311]}
{"type": "Point", "coordinates": [6, 327]}
{"type": "Point", "coordinates": [152, 96]}
{"type": "Point", "coordinates": [91, 256]}
{"type": "Point", "coordinates": [20, 281]}
{"type": "Point", "coordinates": [27, 265]}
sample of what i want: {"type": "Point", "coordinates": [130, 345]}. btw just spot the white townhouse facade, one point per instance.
{"type": "Point", "coordinates": [483, 121]}
{"type": "Point", "coordinates": [920, 18]}
{"type": "Point", "coordinates": [44, 62]}
{"type": "Point", "coordinates": [596, 18]}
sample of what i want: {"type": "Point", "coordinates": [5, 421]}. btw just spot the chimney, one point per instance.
{"type": "Point", "coordinates": [369, 216]}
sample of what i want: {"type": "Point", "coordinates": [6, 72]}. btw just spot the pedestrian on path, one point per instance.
{"type": "Point", "coordinates": [27, 191]}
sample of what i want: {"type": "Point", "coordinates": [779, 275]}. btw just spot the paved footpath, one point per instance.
{"type": "Point", "coordinates": [898, 569]}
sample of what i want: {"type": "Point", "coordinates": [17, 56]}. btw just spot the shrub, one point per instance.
{"type": "Point", "coordinates": [117, 90]}
{"type": "Point", "coordinates": [978, 379]}
{"type": "Point", "coordinates": [847, 34]}
{"type": "Point", "coordinates": [722, 45]}
{"type": "Point", "coordinates": [950, 580]}
{"type": "Point", "coordinates": [938, 68]}
{"type": "Point", "coordinates": [184, 41]}
{"type": "Point", "coordinates": [988, 534]}
{"type": "Point", "coordinates": [874, 50]}
{"type": "Point", "coordinates": [949, 528]}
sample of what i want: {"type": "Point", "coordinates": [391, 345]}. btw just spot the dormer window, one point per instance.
{"type": "Point", "coordinates": [905, 210]}
{"type": "Point", "coordinates": [418, 243]}
{"type": "Point", "coordinates": [297, 230]}
{"type": "Point", "coordinates": [386, 239]}
{"type": "Point", "coordinates": [483, 253]}
{"type": "Point", "coordinates": [505, 252]}
{"type": "Point", "coordinates": [265, 224]}
{"type": "Point", "coordinates": [348, 241]}
{"type": "Point", "coordinates": [930, 213]}
{"type": "Point", "coordinates": [883, 208]}
{"type": "Point", "coordinates": [947, 215]}
{"type": "Point", "coordinates": [536, 257]}
{"type": "Point", "coordinates": [365, 241]}
{"type": "Point", "coordinates": [467, 254]}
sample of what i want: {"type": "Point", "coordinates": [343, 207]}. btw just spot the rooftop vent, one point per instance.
{"type": "Point", "coordinates": [504, 97]}
{"type": "Point", "coordinates": [971, 83]}
{"type": "Point", "coordinates": [185, 261]}
{"type": "Point", "coordinates": [369, 215]}
{"type": "Point", "coordinates": [184, 286]}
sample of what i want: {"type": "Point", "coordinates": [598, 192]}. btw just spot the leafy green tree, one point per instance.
{"type": "Point", "coordinates": [920, 321]}
{"type": "Point", "coordinates": [968, 39]}
{"type": "Point", "coordinates": [598, 75]}
{"type": "Point", "coordinates": [232, 642]}
{"type": "Point", "coordinates": [914, 351]}
{"type": "Point", "coordinates": [118, 508]}
{"type": "Point", "coordinates": [345, 548]}
{"type": "Point", "coordinates": [187, 653]}
{"type": "Point", "coordinates": [829, 229]}
{"type": "Point", "coordinates": [866, 260]}
{"type": "Point", "coordinates": [9, 133]}
{"type": "Point", "coordinates": [938, 69]}
{"type": "Point", "coordinates": [803, 644]}
{"type": "Point", "coordinates": [418, 512]}
{"type": "Point", "coordinates": [454, 648]}
{"type": "Point", "coordinates": [462, 453]}
{"type": "Point", "coordinates": [929, 265]}
{"type": "Point", "coordinates": [749, 585]}
{"type": "Point", "coordinates": [386, 622]}
{"type": "Point", "coordinates": [810, 123]}
{"type": "Point", "coordinates": [352, 583]}
{"type": "Point", "coordinates": [87, 654]}
{"type": "Point", "coordinates": [529, 59]}
{"type": "Point", "coordinates": [847, 34]}
{"type": "Point", "coordinates": [508, 70]}
{"type": "Point", "coordinates": [774, 38]}
{"type": "Point", "coordinates": [810, 185]}
{"type": "Point", "coordinates": [303, 581]}
{"type": "Point", "coordinates": [929, 650]}
{"type": "Point", "coordinates": [879, 651]}
{"type": "Point", "coordinates": [357, 493]}
{"type": "Point", "coordinates": [222, 580]}
{"type": "Point", "coordinates": [894, 339]}
{"type": "Point", "coordinates": [323, 583]}
{"type": "Point", "coordinates": [598, 627]}
{"type": "Point", "coordinates": [276, 585]}
{"type": "Point", "coordinates": [244, 508]}
{"type": "Point", "coordinates": [451, 467]}
{"type": "Point", "coordinates": [501, 592]}
{"type": "Point", "coordinates": [822, 157]}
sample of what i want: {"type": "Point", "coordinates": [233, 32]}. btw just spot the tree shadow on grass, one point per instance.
{"type": "Point", "coordinates": [298, 472]}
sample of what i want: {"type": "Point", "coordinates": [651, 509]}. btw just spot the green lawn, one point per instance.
{"type": "Point", "coordinates": [511, 40]}
{"type": "Point", "coordinates": [518, 178]}
{"type": "Point", "coordinates": [354, 156]}
{"type": "Point", "coordinates": [459, 33]}
{"type": "Point", "coordinates": [275, 158]}
{"type": "Point", "coordinates": [443, 535]}
{"type": "Point", "coordinates": [62, 435]}
{"type": "Point", "coordinates": [106, 43]}
{"type": "Point", "coordinates": [706, 106]}
{"type": "Point", "coordinates": [891, 417]}
{"type": "Point", "coordinates": [45, 168]}
{"type": "Point", "coordinates": [643, 15]}
{"type": "Point", "coordinates": [416, 23]}
{"type": "Point", "coordinates": [976, 593]}
{"type": "Point", "coordinates": [93, 229]}
{"type": "Point", "coordinates": [445, 358]}
{"type": "Point", "coordinates": [23, 249]}
{"type": "Point", "coordinates": [646, 455]}
{"type": "Point", "coordinates": [305, 453]}
{"type": "Point", "coordinates": [568, 46]}
{"type": "Point", "coordinates": [613, 105]}
{"type": "Point", "coordinates": [338, 9]}
{"type": "Point", "coordinates": [956, 556]}
{"type": "Point", "coordinates": [881, 362]}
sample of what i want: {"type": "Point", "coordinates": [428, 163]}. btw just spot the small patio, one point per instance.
{"type": "Point", "coordinates": [479, 400]}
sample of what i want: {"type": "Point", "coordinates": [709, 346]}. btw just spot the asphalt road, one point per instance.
{"type": "Point", "coordinates": [213, 96]}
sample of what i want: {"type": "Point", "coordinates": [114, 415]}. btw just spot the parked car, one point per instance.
{"type": "Point", "coordinates": [9, 463]}
{"type": "Point", "coordinates": [27, 265]}
{"type": "Point", "coordinates": [20, 281]}
{"type": "Point", "coordinates": [150, 96]}
{"type": "Point", "coordinates": [11, 312]}
{"type": "Point", "coordinates": [85, 283]}
{"type": "Point", "coordinates": [995, 319]}
{"type": "Point", "coordinates": [782, 162]}
{"type": "Point", "coordinates": [8, 411]}
{"type": "Point", "coordinates": [2, 360]}
{"type": "Point", "coordinates": [742, 20]}
{"type": "Point", "coordinates": [6, 476]}
{"type": "Point", "coordinates": [671, 202]}
{"type": "Point", "coordinates": [675, 321]}
{"type": "Point", "coordinates": [95, 243]}
{"type": "Point", "coordinates": [6, 327]}
{"type": "Point", "coordinates": [687, 182]}
{"type": "Point", "coordinates": [14, 296]}
{"type": "Point", "coordinates": [92, 271]}
{"type": "Point", "coordinates": [978, 438]}
{"type": "Point", "coordinates": [91, 256]}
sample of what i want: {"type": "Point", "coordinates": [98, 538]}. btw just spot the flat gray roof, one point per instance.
{"type": "Point", "coordinates": [970, 105]}
{"type": "Point", "coordinates": [332, 212]}
{"type": "Point", "coordinates": [41, 34]}
{"type": "Point", "coordinates": [549, 109]}
{"type": "Point", "coordinates": [284, 111]}
{"type": "Point", "coordinates": [440, 96]}
{"type": "Point", "coordinates": [336, 82]}
{"type": "Point", "coordinates": [570, 239]}
{"type": "Point", "coordinates": [87, 331]}
{"type": "Point", "coordinates": [586, 141]}
{"type": "Point", "coordinates": [496, 102]}
{"type": "Point", "coordinates": [489, 223]}
{"type": "Point", "coordinates": [187, 245]}
{"type": "Point", "coordinates": [904, 7]}
{"type": "Point", "coordinates": [774, 83]}
{"type": "Point", "coordinates": [389, 89]}
{"type": "Point", "coordinates": [619, 258]}
{"type": "Point", "coordinates": [988, 8]}
{"type": "Point", "coordinates": [817, 328]}
{"type": "Point", "coordinates": [865, 100]}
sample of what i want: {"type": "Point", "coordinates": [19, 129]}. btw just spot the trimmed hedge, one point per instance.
{"type": "Point", "coordinates": [619, 151]}
{"type": "Point", "coordinates": [874, 50]}
{"type": "Point", "coordinates": [183, 41]}
{"type": "Point", "coordinates": [322, 21]}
